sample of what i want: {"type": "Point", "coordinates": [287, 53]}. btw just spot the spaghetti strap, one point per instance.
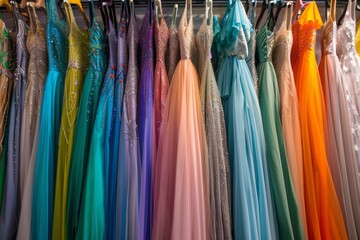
{"type": "Point", "coordinates": [91, 12]}
{"type": "Point", "coordinates": [289, 24]}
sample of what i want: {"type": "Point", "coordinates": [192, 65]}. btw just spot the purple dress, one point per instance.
{"type": "Point", "coordinates": [11, 200]}
{"type": "Point", "coordinates": [146, 124]}
{"type": "Point", "coordinates": [128, 175]}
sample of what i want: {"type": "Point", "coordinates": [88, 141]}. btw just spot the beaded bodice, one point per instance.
{"type": "Point", "coordinates": [329, 38]}
{"type": "Point", "coordinates": [204, 39]}
{"type": "Point", "coordinates": [146, 40]}
{"type": "Point", "coordinates": [186, 33]}
{"type": "Point", "coordinates": [97, 46]}
{"type": "Point", "coordinates": [56, 38]}
{"type": "Point", "coordinates": [122, 57]}
{"type": "Point", "coordinates": [78, 42]}
{"type": "Point", "coordinates": [162, 35]}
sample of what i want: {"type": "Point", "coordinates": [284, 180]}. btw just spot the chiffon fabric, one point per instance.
{"type": "Point", "coordinates": [128, 171]}
{"type": "Point", "coordinates": [161, 82]}
{"type": "Point", "coordinates": [338, 137]}
{"type": "Point", "coordinates": [76, 70]}
{"type": "Point", "coordinates": [6, 84]}
{"type": "Point", "coordinates": [85, 122]}
{"type": "Point", "coordinates": [95, 206]}
{"type": "Point", "coordinates": [286, 206]}
{"type": "Point", "coordinates": [174, 47]}
{"type": "Point", "coordinates": [49, 126]}
{"type": "Point", "coordinates": [213, 114]}
{"type": "Point", "coordinates": [181, 202]}
{"type": "Point", "coordinates": [350, 65]}
{"type": "Point", "coordinates": [146, 123]}
{"type": "Point", "coordinates": [289, 110]}
{"type": "Point", "coordinates": [252, 206]}
{"type": "Point", "coordinates": [323, 212]}
{"type": "Point", "coordinates": [10, 208]}
{"type": "Point", "coordinates": [36, 75]}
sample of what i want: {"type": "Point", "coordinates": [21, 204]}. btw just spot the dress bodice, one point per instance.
{"type": "Point", "coordinates": [204, 39]}
{"type": "Point", "coordinates": [122, 57]}
{"type": "Point", "coordinates": [146, 40]}
{"type": "Point", "coordinates": [235, 32]}
{"type": "Point", "coordinates": [35, 44]}
{"type": "Point", "coordinates": [346, 40]}
{"type": "Point", "coordinates": [78, 42]}
{"type": "Point", "coordinates": [304, 31]}
{"type": "Point", "coordinates": [97, 45]}
{"type": "Point", "coordinates": [264, 43]}
{"type": "Point", "coordinates": [329, 38]}
{"type": "Point", "coordinates": [112, 39]}
{"type": "Point", "coordinates": [162, 35]}
{"type": "Point", "coordinates": [56, 38]}
{"type": "Point", "coordinates": [186, 33]}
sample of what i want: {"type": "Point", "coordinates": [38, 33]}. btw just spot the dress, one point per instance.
{"type": "Point", "coordinates": [289, 110]}
{"type": "Point", "coordinates": [350, 65]}
{"type": "Point", "coordinates": [128, 171]}
{"type": "Point", "coordinates": [357, 37]}
{"type": "Point", "coordinates": [146, 123]}
{"type": "Point", "coordinates": [181, 195]}
{"type": "Point", "coordinates": [250, 59]}
{"type": "Point", "coordinates": [161, 82]}
{"type": "Point", "coordinates": [323, 212]}
{"type": "Point", "coordinates": [285, 201]}
{"type": "Point", "coordinates": [36, 75]}
{"type": "Point", "coordinates": [75, 74]}
{"type": "Point", "coordinates": [174, 48]}
{"type": "Point", "coordinates": [84, 123]}
{"type": "Point", "coordinates": [11, 196]}
{"type": "Point", "coordinates": [339, 147]}
{"type": "Point", "coordinates": [49, 126]}
{"type": "Point", "coordinates": [252, 207]}
{"type": "Point", "coordinates": [6, 84]}
{"type": "Point", "coordinates": [218, 158]}
{"type": "Point", "coordinates": [93, 217]}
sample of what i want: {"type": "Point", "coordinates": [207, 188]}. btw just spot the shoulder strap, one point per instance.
{"type": "Point", "coordinates": [91, 12]}
{"type": "Point", "coordinates": [175, 14]}
{"type": "Point", "coordinates": [16, 15]}
{"type": "Point", "coordinates": [69, 13]}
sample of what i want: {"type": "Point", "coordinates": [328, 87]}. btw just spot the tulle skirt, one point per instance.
{"type": "Point", "coordinates": [46, 157]}
{"type": "Point", "coordinates": [252, 204]}
{"type": "Point", "coordinates": [181, 195]}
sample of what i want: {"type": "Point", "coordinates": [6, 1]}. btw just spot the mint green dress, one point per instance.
{"type": "Point", "coordinates": [84, 123]}
{"type": "Point", "coordinates": [286, 206]}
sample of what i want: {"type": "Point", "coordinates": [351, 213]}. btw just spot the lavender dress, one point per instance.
{"type": "Point", "coordinates": [128, 182]}
{"type": "Point", "coordinates": [146, 124]}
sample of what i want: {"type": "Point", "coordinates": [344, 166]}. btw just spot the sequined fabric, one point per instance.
{"type": "Point", "coordinates": [174, 49]}
{"type": "Point", "coordinates": [212, 110]}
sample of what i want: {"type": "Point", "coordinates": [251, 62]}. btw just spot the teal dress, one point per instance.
{"type": "Point", "coordinates": [287, 211]}
{"type": "Point", "coordinates": [50, 115]}
{"type": "Point", "coordinates": [252, 207]}
{"type": "Point", "coordinates": [84, 123]}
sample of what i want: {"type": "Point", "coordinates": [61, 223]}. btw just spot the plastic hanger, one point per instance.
{"type": "Point", "coordinates": [6, 4]}
{"type": "Point", "coordinates": [265, 6]}
{"type": "Point", "coordinates": [280, 5]}
{"type": "Point", "coordinates": [327, 9]}
{"type": "Point", "coordinates": [79, 5]}
{"type": "Point", "coordinates": [158, 8]}
{"type": "Point", "coordinates": [39, 4]}
{"type": "Point", "coordinates": [175, 13]}
{"type": "Point", "coordinates": [208, 4]}
{"type": "Point", "coordinates": [298, 6]}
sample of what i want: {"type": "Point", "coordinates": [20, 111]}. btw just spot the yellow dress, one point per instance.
{"type": "Point", "coordinates": [77, 66]}
{"type": "Point", "coordinates": [357, 37]}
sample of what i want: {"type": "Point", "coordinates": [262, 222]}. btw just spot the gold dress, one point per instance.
{"type": "Point", "coordinates": [75, 75]}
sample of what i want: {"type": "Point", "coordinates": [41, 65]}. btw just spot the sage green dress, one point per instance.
{"type": "Point", "coordinates": [286, 206]}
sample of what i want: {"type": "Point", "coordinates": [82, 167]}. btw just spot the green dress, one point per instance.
{"type": "Point", "coordinates": [6, 83]}
{"type": "Point", "coordinates": [286, 206]}
{"type": "Point", "coordinates": [85, 122]}
{"type": "Point", "coordinates": [75, 75]}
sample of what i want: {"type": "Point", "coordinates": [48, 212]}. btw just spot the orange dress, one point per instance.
{"type": "Point", "coordinates": [324, 217]}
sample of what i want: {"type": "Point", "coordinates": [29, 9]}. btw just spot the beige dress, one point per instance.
{"type": "Point", "coordinates": [289, 109]}
{"type": "Point", "coordinates": [36, 74]}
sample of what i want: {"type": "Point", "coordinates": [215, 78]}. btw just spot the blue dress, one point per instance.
{"type": "Point", "coordinates": [84, 123]}
{"type": "Point", "coordinates": [252, 210]}
{"type": "Point", "coordinates": [10, 208]}
{"type": "Point", "coordinates": [96, 212]}
{"type": "Point", "coordinates": [50, 117]}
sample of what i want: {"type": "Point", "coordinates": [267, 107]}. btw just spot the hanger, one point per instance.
{"type": "Point", "coordinates": [339, 22]}
{"type": "Point", "coordinates": [208, 4]}
{"type": "Point", "coordinates": [79, 5]}
{"type": "Point", "coordinates": [39, 4]}
{"type": "Point", "coordinates": [266, 5]}
{"type": "Point", "coordinates": [175, 12]}
{"type": "Point", "coordinates": [327, 9]}
{"type": "Point", "coordinates": [298, 6]}
{"type": "Point", "coordinates": [280, 5]}
{"type": "Point", "coordinates": [6, 4]}
{"type": "Point", "coordinates": [157, 7]}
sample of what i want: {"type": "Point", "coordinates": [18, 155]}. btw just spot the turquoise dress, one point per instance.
{"type": "Point", "coordinates": [252, 207]}
{"type": "Point", "coordinates": [45, 166]}
{"type": "Point", "coordinates": [96, 187]}
{"type": "Point", "coordinates": [84, 123]}
{"type": "Point", "coordinates": [287, 211]}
